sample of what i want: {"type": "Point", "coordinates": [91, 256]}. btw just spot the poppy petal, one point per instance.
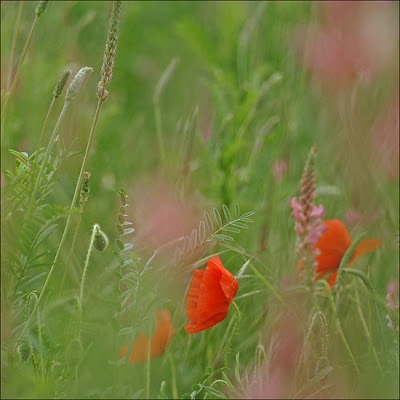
{"type": "Point", "coordinates": [193, 294]}
{"type": "Point", "coordinates": [212, 299]}
{"type": "Point", "coordinates": [365, 246]}
{"type": "Point", "coordinates": [332, 245]}
{"type": "Point", "coordinates": [228, 282]}
{"type": "Point", "coordinates": [193, 327]}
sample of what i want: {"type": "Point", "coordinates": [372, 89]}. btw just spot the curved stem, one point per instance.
{"type": "Point", "coordinates": [95, 229]}
{"type": "Point", "coordinates": [234, 332]}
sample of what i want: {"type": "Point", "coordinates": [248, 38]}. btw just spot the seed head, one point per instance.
{"type": "Point", "coordinates": [24, 350]}
{"type": "Point", "coordinates": [77, 83]}
{"type": "Point", "coordinates": [41, 7]}
{"type": "Point", "coordinates": [110, 50]}
{"type": "Point", "coordinates": [85, 189]}
{"type": "Point", "coordinates": [62, 80]}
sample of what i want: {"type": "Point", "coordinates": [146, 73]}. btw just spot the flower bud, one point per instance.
{"type": "Point", "coordinates": [77, 83]}
{"type": "Point", "coordinates": [100, 240]}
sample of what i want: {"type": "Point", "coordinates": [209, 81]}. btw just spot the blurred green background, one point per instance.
{"type": "Point", "coordinates": [238, 71]}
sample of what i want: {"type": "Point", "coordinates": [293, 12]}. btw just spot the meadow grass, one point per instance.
{"type": "Point", "coordinates": [114, 191]}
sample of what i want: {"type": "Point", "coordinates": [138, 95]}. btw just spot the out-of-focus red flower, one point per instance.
{"type": "Point", "coordinates": [332, 246]}
{"type": "Point", "coordinates": [357, 39]}
{"type": "Point", "coordinates": [158, 342]}
{"type": "Point", "coordinates": [210, 294]}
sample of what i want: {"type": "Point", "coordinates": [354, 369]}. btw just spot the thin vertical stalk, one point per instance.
{"type": "Point", "coordinates": [148, 368]}
{"type": "Point", "coordinates": [67, 224]}
{"type": "Point", "coordinates": [8, 95]}
{"type": "Point", "coordinates": [14, 42]}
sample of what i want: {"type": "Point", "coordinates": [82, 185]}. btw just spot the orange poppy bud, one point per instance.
{"type": "Point", "coordinates": [158, 343]}
{"type": "Point", "coordinates": [210, 294]}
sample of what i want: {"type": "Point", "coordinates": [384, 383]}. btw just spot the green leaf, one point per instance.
{"type": "Point", "coordinates": [239, 224]}
{"type": "Point", "coordinates": [222, 238]}
{"type": "Point", "coordinates": [217, 217]}
{"type": "Point", "coordinates": [213, 392]}
{"type": "Point", "coordinates": [350, 251]}
{"type": "Point", "coordinates": [119, 244]}
{"type": "Point", "coordinates": [209, 222]}
{"type": "Point", "coordinates": [118, 256]}
{"type": "Point", "coordinates": [226, 212]}
{"type": "Point", "coordinates": [120, 229]}
{"type": "Point", "coordinates": [364, 279]}
{"type": "Point", "coordinates": [193, 239]}
{"type": "Point", "coordinates": [202, 231]}
{"type": "Point", "coordinates": [237, 210]}
{"type": "Point", "coordinates": [121, 218]}
{"type": "Point", "coordinates": [230, 229]}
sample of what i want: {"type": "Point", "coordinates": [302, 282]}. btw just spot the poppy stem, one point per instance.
{"type": "Point", "coordinates": [234, 332]}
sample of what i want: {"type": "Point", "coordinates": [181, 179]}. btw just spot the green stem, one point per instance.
{"type": "Point", "coordinates": [66, 229]}
{"type": "Point", "coordinates": [45, 158]}
{"type": "Point", "coordinates": [72, 247]}
{"type": "Point", "coordinates": [4, 110]}
{"type": "Point", "coordinates": [159, 132]}
{"type": "Point", "coordinates": [14, 42]}
{"type": "Point", "coordinates": [173, 377]}
{"type": "Point", "coordinates": [44, 127]}
{"type": "Point", "coordinates": [95, 229]}
{"type": "Point", "coordinates": [234, 332]}
{"type": "Point", "coordinates": [148, 368]}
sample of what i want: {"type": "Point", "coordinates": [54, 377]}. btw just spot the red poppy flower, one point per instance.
{"type": "Point", "coordinates": [210, 294]}
{"type": "Point", "coordinates": [333, 245]}
{"type": "Point", "coordinates": [158, 342]}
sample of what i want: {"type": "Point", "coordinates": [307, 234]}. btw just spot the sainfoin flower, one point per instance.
{"type": "Point", "coordinates": [210, 294]}
{"type": "Point", "coordinates": [159, 341]}
{"type": "Point", "coordinates": [332, 246]}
